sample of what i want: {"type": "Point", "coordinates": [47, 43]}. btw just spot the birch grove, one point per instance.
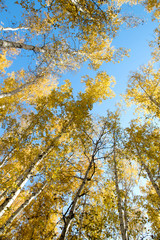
{"type": "Point", "coordinates": [66, 172]}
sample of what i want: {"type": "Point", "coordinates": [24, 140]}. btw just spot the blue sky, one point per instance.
{"type": "Point", "coordinates": [135, 39]}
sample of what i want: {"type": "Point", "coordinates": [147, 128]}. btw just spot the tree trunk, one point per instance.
{"type": "Point", "coordinates": [155, 186]}
{"type": "Point", "coordinates": [10, 44]}
{"type": "Point", "coordinates": [126, 216]}
{"type": "Point", "coordinates": [20, 209]}
{"type": "Point", "coordinates": [150, 176]}
{"type": "Point", "coordinates": [119, 201]}
{"type": "Point", "coordinates": [70, 215]}
{"type": "Point", "coordinates": [19, 89]}
{"type": "Point", "coordinates": [22, 180]}
{"type": "Point", "coordinates": [5, 159]}
{"type": "Point", "coordinates": [12, 29]}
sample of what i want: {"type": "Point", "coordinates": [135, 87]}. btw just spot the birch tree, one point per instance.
{"type": "Point", "coordinates": [65, 175]}
{"type": "Point", "coordinates": [122, 176]}
{"type": "Point", "coordinates": [45, 33]}
{"type": "Point", "coordinates": [28, 145]}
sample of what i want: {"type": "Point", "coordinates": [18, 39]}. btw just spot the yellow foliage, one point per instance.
{"type": "Point", "coordinates": [98, 89]}
{"type": "Point", "coordinates": [4, 63]}
{"type": "Point", "coordinates": [144, 90]}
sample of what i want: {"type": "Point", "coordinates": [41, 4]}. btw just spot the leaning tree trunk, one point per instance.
{"type": "Point", "coordinates": [4, 44]}
{"type": "Point", "coordinates": [23, 179]}
{"type": "Point", "coordinates": [20, 209]}
{"type": "Point", "coordinates": [70, 215]}
{"type": "Point", "coordinates": [150, 176]}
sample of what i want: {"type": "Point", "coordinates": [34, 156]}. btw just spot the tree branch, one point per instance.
{"type": "Point", "coordinates": [12, 29]}
{"type": "Point", "coordinates": [4, 44]}
{"type": "Point", "coordinates": [72, 207]}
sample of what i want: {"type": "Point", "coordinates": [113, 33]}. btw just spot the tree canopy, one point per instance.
{"type": "Point", "coordinates": [65, 173]}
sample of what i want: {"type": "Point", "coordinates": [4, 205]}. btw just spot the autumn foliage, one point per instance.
{"type": "Point", "coordinates": [66, 174]}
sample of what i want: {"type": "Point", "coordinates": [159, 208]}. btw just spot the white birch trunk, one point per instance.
{"type": "Point", "coordinates": [17, 90]}
{"type": "Point", "coordinates": [6, 158]}
{"type": "Point", "coordinates": [12, 29]}
{"type": "Point", "coordinates": [10, 44]}
{"type": "Point", "coordinates": [3, 194]}
{"type": "Point", "coordinates": [76, 3]}
{"type": "Point", "coordinates": [126, 216]}
{"type": "Point", "coordinates": [155, 186]}
{"type": "Point", "coordinates": [119, 201]}
{"type": "Point", "coordinates": [25, 177]}
{"type": "Point", "coordinates": [149, 95]}
{"type": "Point", "coordinates": [12, 199]}
{"type": "Point", "coordinates": [20, 209]}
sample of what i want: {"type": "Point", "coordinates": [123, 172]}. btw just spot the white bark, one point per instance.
{"type": "Point", "coordinates": [126, 216]}
{"type": "Point", "coordinates": [149, 95]}
{"type": "Point", "coordinates": [20, 209]}
{"type": "Point", "coordinates": [3, 194]}
{"type": "Point", "coordinates": [119, 200]}
{"type": "Point", "coordinates": [10, 44]}
{"type": "Point", "coordinates": [12, 29]}
{"type": "Point", "coordinates": [15, 194]}
{"type": "Point", "coordinates": [79, 7]}
{"type": "Point", "coordinates": [150, 176]}
{"type": "Point", "coordinates": [19, 89]}
{"type": "Point", "coordinates": [22, 181]}
{"type": "Point", "coordinates": [155, 186]}
{"type": "Point", "coordinates": [26, 175]}
{"type": "Point", "coordinates": [6, 159]}
{"type": "Point", "coordinates": [77, 4]}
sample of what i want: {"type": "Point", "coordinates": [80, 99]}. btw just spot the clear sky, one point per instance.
{"type": "Point", "coordinates": [136, 39]}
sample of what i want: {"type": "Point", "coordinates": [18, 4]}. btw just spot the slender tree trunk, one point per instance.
{"type": "Point", "coordinates": [150, 176]}
{"type": "Point", "coordinates": [70, 216]}
{"type": "Point", "coordinates": [10, 44]}
{"type": "Point", "coordinates": [3, 194]}
{"type": "Point", "coordinates": [21, 133]}
{"type": "Point", "coordinates": [23, 179]}
{"type": "Point", "coordinates": [119, 201]}
{"type": "Point", "coordinates": [12, 29]}
{"type": "Point", "coordinates": [155, 186]}
{"type": "Point", "coordinates": [126, 216]}
{"type": "Point", "coordinates": [20, 209]}
{"type": "Point", "coordinates": [78, 5]}
{"type": "Point", "coordinates": [19, 89]}
{"type": "Point", "coordinates": [5, 159]}
{"type": "Point", "coordinates": [149, 95]}
{"type": "Point", "coordinates": [26, 175]}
